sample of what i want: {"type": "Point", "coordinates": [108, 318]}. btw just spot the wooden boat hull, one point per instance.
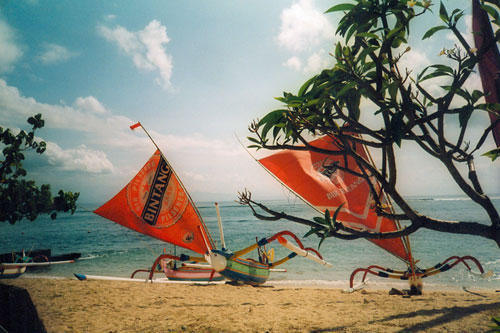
{"type": "Point", "coordinates": [192, 274]}
{"type": "Point", "coordinates": [11, 272]}
{"type": "Point", "coordinates": [247, 271]}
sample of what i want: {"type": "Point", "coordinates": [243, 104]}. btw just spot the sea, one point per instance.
{"type": "Point", "coordinates": [108, 249]}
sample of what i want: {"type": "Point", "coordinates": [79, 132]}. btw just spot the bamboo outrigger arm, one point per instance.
{"type": "Point", "coordinates": [420, 273]}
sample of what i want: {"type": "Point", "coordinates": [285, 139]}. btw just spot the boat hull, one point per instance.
{"type": "Point", "coordinates": [11, 272]}
{"type": "Point", "coordinates": [39, 255]}
{"type": "Point", "coordinates": [192, 274]}
{"type": "Point", "coordinates": [247, 271]}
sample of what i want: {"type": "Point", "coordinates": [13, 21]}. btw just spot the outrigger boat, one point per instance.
{"type": "Point", "coordinates": [14, 264]}
{"type": "Point", "coordinates": [156, 203]}
{"type": "Point", "coordinates": [319, 181]}
{"type": "Point", "coordinates": [42, 257]}
{"type": "Point", "coordinates": [11, 271]}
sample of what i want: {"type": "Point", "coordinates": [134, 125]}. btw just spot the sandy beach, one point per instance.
{"type": "Point", "coordinates": [67, 305]}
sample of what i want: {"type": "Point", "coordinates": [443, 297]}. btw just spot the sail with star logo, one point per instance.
{"type": "Point", "coordinates": [156, 204]}
{"type": "Point", "coordinates": [306, 173]}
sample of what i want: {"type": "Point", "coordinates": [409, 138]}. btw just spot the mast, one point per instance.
{"type": "Point", "coordinates": [221, 230]}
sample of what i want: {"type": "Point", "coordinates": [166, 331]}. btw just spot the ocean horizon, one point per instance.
{"type": "Point", "coordinates": [112, 250]}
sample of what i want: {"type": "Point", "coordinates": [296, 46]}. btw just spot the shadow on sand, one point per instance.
{"type": "Point", "coordinates": [447, 315]}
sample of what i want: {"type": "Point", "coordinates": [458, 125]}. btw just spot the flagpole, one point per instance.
{"type": "Point", "coordinates": [138, 124]}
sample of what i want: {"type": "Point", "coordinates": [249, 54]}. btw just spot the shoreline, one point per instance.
{"type": "Point", "coordinates": [374, 284]}
{"type": "Point", "coordinates": [70, 305]}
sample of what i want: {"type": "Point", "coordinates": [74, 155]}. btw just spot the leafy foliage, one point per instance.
{"type": "Point", "coordinates": [496, 327]}
{"type": "Point", "coordinates": [368, 68]}
{"type": "Point", "coordinates": [20, 198]}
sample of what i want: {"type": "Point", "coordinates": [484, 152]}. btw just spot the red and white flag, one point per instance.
{"type": "Point", "coordinates": [134, 126]}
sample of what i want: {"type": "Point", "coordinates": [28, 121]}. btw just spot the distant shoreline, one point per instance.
{"type": "Point", "coordinates": [226, 198]}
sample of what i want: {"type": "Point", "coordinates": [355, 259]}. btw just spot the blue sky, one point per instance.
{"type": "Point", "coordinates": [195, 73]}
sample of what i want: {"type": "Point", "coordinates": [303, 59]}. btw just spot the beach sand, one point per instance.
{"type": "Point", "coordinates": [69, 305]}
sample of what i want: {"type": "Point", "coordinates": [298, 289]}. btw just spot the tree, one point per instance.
{"type": "Point", "coordinates": [20, 198]}
{"type": "Point", "coordinates": [368, 78]}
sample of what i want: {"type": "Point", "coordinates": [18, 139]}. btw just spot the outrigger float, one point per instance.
{"type": "Point", "coordinates": [156, 203]}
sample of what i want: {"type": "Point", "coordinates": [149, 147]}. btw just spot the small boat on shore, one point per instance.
{"type": "Point", "coordinates": [184, 272]}
{"type": "Point", "coordinates": [14, 264]}
{"type": "Point", "coordinates": [38, 255]}
{"type": "Point", "coordinates": [11, 271]}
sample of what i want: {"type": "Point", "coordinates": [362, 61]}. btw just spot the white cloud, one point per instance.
{"type": "Point", "coordinates": [86, 116]}
{"type": "Point", "coordinates": [314, 64]}
{"type": "Point", "coordinates": [109, 141]}
{"type": "Point", "coordinates": [303, 26]}
{"type": "Point", "coordinates": [146, 47]}
{"type": "Point", "coordinates": [317, 61]}
{"type": "Point", "coordinates": [11, 52]}
{"type": "Point", "coordinates": [414, 60]}
{"type": "Point", "coordinates": [54, 53]}
{"type": "Point", "coordinates": [294, 63]}
{"type": "Point", "coordinates": [80, 158]}
{"type": "Point", "coordinates": [90, 104]}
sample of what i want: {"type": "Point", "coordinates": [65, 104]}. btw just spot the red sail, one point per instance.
{"type": "Point", "coordinates": [155, 203]}
{"type": "Point", "coordinates": [304, 173]}
{"type": "Point", "coordinates": [489, 64]}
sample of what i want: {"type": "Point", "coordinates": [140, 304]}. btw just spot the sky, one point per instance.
{"type": "Point", "coordinates": [194, 73]}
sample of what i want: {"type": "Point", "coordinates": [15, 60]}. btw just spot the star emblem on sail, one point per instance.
{"type": "Point", "coordinates": [304, 173]}
{"type": "Point", "coordinates": [155, 203]}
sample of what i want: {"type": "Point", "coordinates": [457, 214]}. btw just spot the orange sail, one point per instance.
{"type": "Point", "coordinates": [304, 173]}
{"type": "Point", "coordinates": [156, 204]}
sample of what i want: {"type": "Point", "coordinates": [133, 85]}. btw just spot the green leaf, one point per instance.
{"type": "Point", "coordinates": [365, 52]}
{"type": "Point", "coordinates": [252, 139]}
{"type": "Point", "coordinates": [338, 50]}
{"type": "Point", "coordinates": [341, 7]}
{"type": "Point", "coordinates": [394, 31]}
{"type": "Point", "coordinates": [492, 11]}
{"type": "Point", "coordinates": [493, 154]}
{"type": "Point", "coordinates": [393, 90]}
{"type": "Point", "coordinates": [345, 89]}
{"type": "Point", "coordinates": [306, 86]}
{"type": "Point", "coordinates": [319, 220]}
{"type": "Point", "coordinates": [433, 30]}
{"type": "Point", "coordinates": [350, 32]}
{"type": "Point", "coordinates": [443, 68]}
{"type": "Point", "coordinates": [443, 14]}
{"type": "Point", "coordinates": [270, 120]}
{"type": "Point", "coordinates": [313, 231]}
{"type": "Point", "coordinates": [367, 35]}
{"type": "Point", "coordinates": [325, 236]}
{"type": "Point", "coordinates": [476, 95]}
{"type": "Point", "coordinates": [312, 102]}
{"type": "Point", "coordinates": [433, 75]}
{"type": "Point", "coordinates": [339, 208]}
{"type": "Point", "coordinates": [464, 114]}
{"type": "Point", "coordinates": [328, 219]}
